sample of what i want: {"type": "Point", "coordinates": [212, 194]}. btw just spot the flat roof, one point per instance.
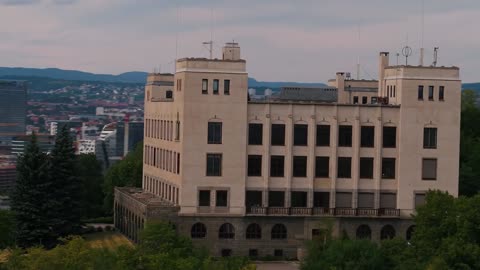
{"type": "Point", "coordinates": [202, 59]}
{"type": "Point", "coordinates": [143, 196]}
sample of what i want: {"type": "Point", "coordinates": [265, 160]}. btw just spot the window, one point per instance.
{"type": "Point", "coordinates": [276, 199]}
{"type": "Point", "coordinates": [169, 94]}
{"type": "Point", "coordinates": [254, 231]}
{"type": "Point", "coordinates": [364, 100]}
{"type": "Point", "coordinates": [299, 166]}
{"type": "Point", "coordinates": [253, 198]}
{"type": "Point", "coordinates": [430, 138]}
{"type": "Point", "coordinates": [214, 164]}
{"type": "Point", "coordinates": [322, 166]}
{"type": "Point", "coordinates": [300, 134]}
{"type": "Point", "coordinates": [278, 253]}
{"type": "Point", "coordinates": [255, 134]}
{"type": "Point", "coordinates": [441, 93]}
{"type": "Point", "coordinates": [321, 199]}
{"type": "Point", "coordinates": [179, 84]}
{"type": "Point", "coordinates": [366, 168]}
{"type": "Point", "coordinates": [355, 100]}
{"type": "Point", "coordinates": [420, 92]}
{"type": "Point", "coordinates": [214, 133]}
{"type": "Point", "coordinates": [387, 232]}
{"type": "Point", "coordinates": [279, 231]}
{"type": "Point", "coordinates": [430, 92]}
{"type": "Point", "coordinates": [344, 167]}
{"type": "Point", "coordinates": [429, 169]}
{"type": "Point", "coordinates": [177, 132]}
{"type": "Point", "coordinates": [364, 232]}
{"type": "Point", "coordinates": [419, 199]}
{"type": "Point", "coordinates": [226, 87]}
{"type": "Point", "coordinates": [323, 135]}
{"type": "Point", "coordinates": [299, 199]}
{"type": "Point", "coordinates": [215, 87]}
{"type": "Point", "coordinates": [198, 230]}
{"type": "Point", "coordinates": [343, 200]}
{"type": "Point", "coordinates": [367, 138]}
{"type": "Point", "coordinates": [389, 137]}
{"type": "Point", "coordinates": [221, 198]}
{"type": "Point", "coordinates": [365, 200]}
{"type": "Point", "coordinates": [388, 168]}
{"type": "Point", "coordinates": [276, 166]}
{"type": "Point", "coordinates": [226, 231]}
{"type": "Point", "coordinates": [345, 136]}
{"type": "Point", "coordinates": [254, 165]}
{"type": "Point", "coordinates": [253, 253]}
{"type": "Point", "coordinates": [278, 134]}
{"type": "Point", "coordinates": [204, 86]}
{"type": "Point", "coordinates": [226, 252]}
{"type": "Point", "coordinates": [410, 232]}
{"type": "Point", "coordinates": [388, 200]}
{"type": "Point", "coordinates": [204, 198]}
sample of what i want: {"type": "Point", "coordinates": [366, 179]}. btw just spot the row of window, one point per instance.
{"type": "Point", "coordinates": [216, 87]}
{"type": "Point", "coordinates": [162, 129]}
{"type": "Point", "coordinates": [220, 198]}
{"type": "Point", "coordinates": [163, 159]}
{"type": "Point", "coordinates": [356, 98]}
{"type": "Point", "coordinates": [162, 189]}
{"type": "Point", "coordinates": [391, 91]}
{"type": "Point", "coordinates": [227, 231]}
{"type": "Point", "coordinates": [431, 92]}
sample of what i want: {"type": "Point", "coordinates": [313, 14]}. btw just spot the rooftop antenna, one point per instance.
{"type": "Point", "coordinates": [176, 39]}
{"type": "Point", "coordinates": [435, 56]}
{"type": "Point", "coordinates": [210, 42]}
{"type": "Point", "coordinates": [423, 33]}
{"type": "Point", "coordinates": [398, 55]}
{"type": "Point", "coordinates": [407, 51]}
{"type": "Point", "coordinates": [358, 57]}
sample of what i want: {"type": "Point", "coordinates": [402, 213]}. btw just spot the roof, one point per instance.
{"type": "Point", "coordinates": [208, 59]}
{"type": "Point", "coordinates": [317, 94]}
{"type": "Point", "coordinates": [143, 196]}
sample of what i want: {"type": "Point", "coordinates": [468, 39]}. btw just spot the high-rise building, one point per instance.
{"type": "Point", "coordinates": [257, 177]}
{"type": "Point", "coordinates": [13, 102]}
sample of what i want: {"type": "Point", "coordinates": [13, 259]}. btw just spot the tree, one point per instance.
{"type": "Point", "coordinates": [127, 172]}
{"type": "Point", "coordinates": [7, 226]}
{"type": "Point", "coordinates": [65, 214]}
{"type": "Point", "coordinates": [89, 171]}
{"type": "Point", "coordinates": [30, 199]}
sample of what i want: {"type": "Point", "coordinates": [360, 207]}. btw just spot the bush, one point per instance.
{"type": "Point", "coordinates": [108, 228]}
{"type": "Point", "coordinates": [99, 229]}
{"type": "Point", "coordinates": [107, 220]}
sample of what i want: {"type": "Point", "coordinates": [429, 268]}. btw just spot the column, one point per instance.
{"type": "Point", "coordinates": [267, 130]}
{"type": "Point", "coordinates": [288, 154]}
{"type": "Point", "coordinates": [355, 156]}
{"type": "Point", "coordinates": [334, 155]}
{"type": "Point", "coordinates": [312, 127]}
{"type": "Point", "coordinates": [377, 172]}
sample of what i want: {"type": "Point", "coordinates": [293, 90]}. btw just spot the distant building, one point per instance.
{"type": "Point", "coordinates": [86, 146]}
{"type": "Point", "coordinates": [13, 103]}
{"type": "Point", "coordinates": [128, 135]}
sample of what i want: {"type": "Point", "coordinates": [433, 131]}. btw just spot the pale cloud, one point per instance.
{"type": "Point", "coordinates": [306, 40]}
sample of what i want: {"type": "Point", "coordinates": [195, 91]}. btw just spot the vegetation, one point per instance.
{"type": "Point", "coordinates": [7, 227]}
{"type": "Point", "coordinates": [110, 240]}
{"type": "Point", "coordinates": [89, 170]}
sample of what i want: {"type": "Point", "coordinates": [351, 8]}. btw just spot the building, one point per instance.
{"type": "Point", "coordinates": [258, 177]}
{"type": "Point", "coordinates": [13, 103]}
{"type": "Point", "coordinates": [129, 134]}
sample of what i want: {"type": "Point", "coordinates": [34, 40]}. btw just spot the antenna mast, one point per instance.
{"type": "Point", "coordinates": [423, 33]}
{"type": "Point", "coordinates": [358, 57]}
{"type": "Point", "coordinates": [210, 42]}
{"type": "Point", "coordinates": [435, 56]}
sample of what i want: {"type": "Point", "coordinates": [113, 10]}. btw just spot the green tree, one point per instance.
{"type": "Point", "coordinates": [7, 226]}
{"type": "Point", "coordinates": [127, 172]}
{"type": "Point", "coordinates": [89, 171]}
{"type": "Point", "coordinates": [65, 211]}
{"type": "Point", "coordinates": [30, 198]}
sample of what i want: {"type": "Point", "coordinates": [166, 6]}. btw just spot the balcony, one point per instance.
{"type": "Point", "coordinates": [321, 211]}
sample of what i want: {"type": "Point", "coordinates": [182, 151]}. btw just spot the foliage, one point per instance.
{"type": "Point", "coordinates": [108, 220]}
{"type": "Point", "coordinates": [7, 227]}
{"type": "Point", "coordinates": [127, 172]}
{"type": "Point", "coordinates": [89, 170]}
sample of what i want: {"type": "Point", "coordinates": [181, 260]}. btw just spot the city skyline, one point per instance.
{"type": "Point", "coordinates": [120, 36]}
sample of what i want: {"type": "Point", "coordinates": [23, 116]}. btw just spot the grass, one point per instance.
{"type": "Point", "coordinates": [4, 255]}
{"type": "Point", "coordinates": [110, 240]}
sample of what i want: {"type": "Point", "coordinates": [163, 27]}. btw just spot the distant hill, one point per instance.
{"type": "Point", "coordinates": [471, 86]}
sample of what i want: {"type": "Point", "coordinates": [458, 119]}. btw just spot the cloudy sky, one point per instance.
{"type": "Point", "coordinates": [301, 40]}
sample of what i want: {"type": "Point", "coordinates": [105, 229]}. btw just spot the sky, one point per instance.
{"type": "Point", "coordinates": [282, 40]}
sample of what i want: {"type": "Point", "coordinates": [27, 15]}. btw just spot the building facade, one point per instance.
{"type": "Point", "coordinates": [259, 177]}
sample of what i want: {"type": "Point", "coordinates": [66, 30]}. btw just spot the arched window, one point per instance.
{"type": "Point", "coordinates": [226, 231]}
{"type": "Point", "coordinates": [364, 232]}
{"type": "Point", "coordinates": [198, 230]}
{"type": "Point", "coordinates": [254, 231]}
{"type": "Point", "coordinates": [279, 231]}
{"type": "Point", "coordinates": [410, 232]}
{"type": "Point", "coordinates": [387, 232]}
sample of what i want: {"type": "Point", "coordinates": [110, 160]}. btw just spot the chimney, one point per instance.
{"type": "Point", "coordinates": [383, 63]}
{"type": "Point", "coordinates": [231, 51]}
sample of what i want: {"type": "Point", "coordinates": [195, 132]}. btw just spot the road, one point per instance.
{"type": "Point", "coordinates": [278, 266]}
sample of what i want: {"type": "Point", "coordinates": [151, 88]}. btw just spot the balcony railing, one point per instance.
{"type": "Point", "coordinates": [322, 211]}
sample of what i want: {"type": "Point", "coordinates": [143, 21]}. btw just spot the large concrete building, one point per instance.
{"type": "Point", "coordinates": [258, 177]}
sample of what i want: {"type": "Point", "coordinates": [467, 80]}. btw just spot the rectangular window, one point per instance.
{"type": "Point", "coordinates": [299, 199]}
{"type": "Point", "coordinates": [364, 100]}
{"type": "Point", "coordinates": [365, 200]}
{"type": "Point", "coordinates": [388, 168]}
{"type": "Point", "coordinates": [441, 93]}
{"type": "Point", "coordinates": [300, 134]}
{"type": "Point", "coordinates": [389, 137]}
{"type": "Point", "coordinates": [355, 100]}
{"type": "Point", "coordinates": [388, 200]}
{"type": "Point", "coordinates": [345, 136]}
{"type": "Point", "coordinates": [204, 198]}
{"type": "Point", "coordinates": [214, 164]}
{"type": "Point", "coordinates": [419, 199]}
{"type": "Point", "coordinates": [214, 133]}
{"type": "Point", "coordinates": [253, 198]}
{"type": "Point", "coordinates": [323, 135]}
{"type": "Point", "coordinates": [255, 134]}
{"type": "Point", "coordinates": [429, 169]}
{"type": "Point", "coordinates": [420, 92]}
{"type": "Point", "coordinates": [366, 168]}
{"type": "Point", "coordinates": [321, 199]}
{"type": "Point", "coordinates": [278, 134]}
{"type": "Point", "coordinates": [204, 86]}
{"type": "Point", "coordinates": [367, 138]}
{"type": "Point", "coordinates": [343, 200]}
{"type": "Point", "coordinates": [430, 92]}
{"type": "Point", "coordinates": [278, 253]}
{"type": "Point", "coordinates": [221, 198]}
{"type": "Point", "coordinates": [226, 87]}
{"type": "Point", "coordinates": [215, 87]}
{"type": "Point", "coordinates": [322, 165]}
{"type": "Point", "coordinates": [253, 253]}
{"type": "Point", "coordinates": [299, 166]}
{"type": "Point", "coordinates": [254, 165]}
{"type": "Point", "coordinates": [344, 167]}
{"type": "Point", "coordinates": [430, 138]}
{"type": "Point", "coordinates": [277, 166]}
{"type": "Point", "coordinates": [276, 199]}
